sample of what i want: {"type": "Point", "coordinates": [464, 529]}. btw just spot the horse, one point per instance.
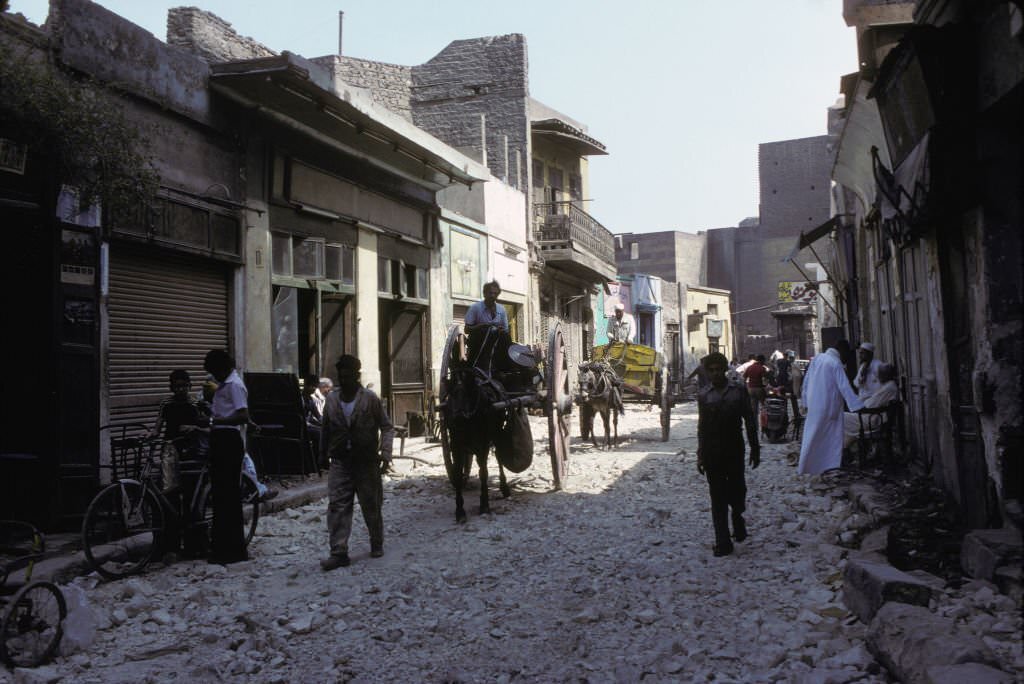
{"type": "Point", "coordinates": [599, 393]}
{"type": "Point", "coordinates": [474, 386]}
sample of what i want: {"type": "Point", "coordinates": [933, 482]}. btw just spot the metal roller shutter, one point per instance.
{"type": "Point", "coordinates": [165, 312]}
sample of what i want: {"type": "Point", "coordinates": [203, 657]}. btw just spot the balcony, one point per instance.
{"type": "Point", "coordinates": [572, 240]}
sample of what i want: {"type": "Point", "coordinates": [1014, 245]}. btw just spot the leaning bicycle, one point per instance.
{"type": "Point", "coordinates": [33, 611]}
{"type": "Point", "coordinates": [128, 522]}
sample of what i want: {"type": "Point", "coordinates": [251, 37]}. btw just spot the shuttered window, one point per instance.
{"type": "Point", "coordinates": [165, 312]}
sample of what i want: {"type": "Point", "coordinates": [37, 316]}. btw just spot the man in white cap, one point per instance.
{"type": "Point", "coordinates": [866, 382]}
{"type": "Point", "coordinates": [620, 326]}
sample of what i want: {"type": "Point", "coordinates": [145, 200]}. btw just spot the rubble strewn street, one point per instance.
{"type": "Point", "coordinates": [610, 580]}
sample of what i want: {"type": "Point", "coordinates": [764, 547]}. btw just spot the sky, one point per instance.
{"type": "Point", "coordinates": [680, 91]}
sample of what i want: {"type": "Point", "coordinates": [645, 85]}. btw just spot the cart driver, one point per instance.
{"type": "Point", "coordinates": [487, 311]}
{"type": "Point", "coordinates": [620, 326]}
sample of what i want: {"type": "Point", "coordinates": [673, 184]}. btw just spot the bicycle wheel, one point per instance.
{"type": "Point", "coordinates": [250, 507]}
{"type": "Point", "coordinates": [122, 529]}
{"type": "Point", "coordinates": [32, 625]}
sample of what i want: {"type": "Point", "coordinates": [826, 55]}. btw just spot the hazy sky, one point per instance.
{"type": "Point", "coordinates": [680, 91]}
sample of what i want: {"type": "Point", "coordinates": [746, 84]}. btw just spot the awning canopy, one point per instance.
{"type": "Point", "coordinates": [568, 135]}
{"type": "Point", "coordinates": [286, 88]}
{"type": "Point", "coordinates": [806, 239]}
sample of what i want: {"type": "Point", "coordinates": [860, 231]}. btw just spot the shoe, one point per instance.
{"type": "Point", "coordinates": [377, 552]}
{"type": "Point", "coordinates": [722, 549]}
{"type": "Point", "coordinates": [739, 528]}
{"type": "Point", "coordinates": [271, 493]}
{"type": "Point", "coordinates": [335, 561]}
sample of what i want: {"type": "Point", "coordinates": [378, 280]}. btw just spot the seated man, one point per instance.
{"type": "Point", "coordinates": [620, 326]}
{"type": "Point", "coordinates": [886, 393]}
{"type": "Point", "coordinates": [481, 317]}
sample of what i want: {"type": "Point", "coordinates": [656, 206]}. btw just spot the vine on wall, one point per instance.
{"type": "Point", "coordinates": [79, 124]}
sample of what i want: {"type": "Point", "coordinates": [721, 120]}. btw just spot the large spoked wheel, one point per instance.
{"type": "Point", "coordinates": [33, 623]}
{"type": "Point", "coordinates": [666, 405]}
{"type": "Point", "coordinates": [122, 529]}
{"type": "Point", "coordinates": [250, 509]}
{"type": "Point", "coordinates": [558, 406]}
{"type": "Point", "coordinates": [450, 355]}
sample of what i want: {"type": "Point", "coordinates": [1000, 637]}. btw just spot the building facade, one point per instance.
{"type": "Point", "coordinates": [929, 167]}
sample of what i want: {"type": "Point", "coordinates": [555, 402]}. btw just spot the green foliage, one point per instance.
{"type": "Point", "coordinates": [81, 126]}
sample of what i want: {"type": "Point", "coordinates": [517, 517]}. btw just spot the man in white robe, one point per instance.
{"type": "Point", "coordinates": [867, 381]}
{"type": "Point", "coordinates": [888, 391]}
{"type": "Point", "coordinates": [825, 387]}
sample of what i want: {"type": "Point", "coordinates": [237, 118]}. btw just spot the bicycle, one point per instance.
{"type": "Point", "coordinates": [33, 611]}
{"type": "Point", "coordinates": [127, 520]}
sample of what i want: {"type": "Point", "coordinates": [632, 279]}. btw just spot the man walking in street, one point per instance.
{"type": "Point", "coordinates": [723, 412]}
{"type": "Point", "coordinates": [824, 388]}
{"type": "Point", "coordinates": [354, 424]}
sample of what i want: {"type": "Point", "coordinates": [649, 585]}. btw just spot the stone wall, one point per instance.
{"type": "Point", "coordinates": [388, 84]}
{"type": "Point", "coordinates": [470, 78]}
{"type": "Point", "coordinates": [210, 37]}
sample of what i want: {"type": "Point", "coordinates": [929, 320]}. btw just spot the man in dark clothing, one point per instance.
{"type": "Point", "coordinates": [354, 426]}
{"type": "Point", "coordinates": [723, 411]}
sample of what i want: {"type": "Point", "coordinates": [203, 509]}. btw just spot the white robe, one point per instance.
{"type": "Point", "coordinates": [887, 392]}
{"type": "Point", "coordinates": [824, 388]}
{"type": "Point", "coordinates": [871, 382]}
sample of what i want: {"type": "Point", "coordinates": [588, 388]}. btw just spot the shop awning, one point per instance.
{"type": "Point", "coordinates": [294, 92]}
{"type": "Point", "coordinates": [806, 239]}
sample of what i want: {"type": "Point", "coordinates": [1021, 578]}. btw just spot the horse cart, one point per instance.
{"type": "Point", "coordinates": [641, 374]}
{"type": "Point", "coordinates": [486, 387]}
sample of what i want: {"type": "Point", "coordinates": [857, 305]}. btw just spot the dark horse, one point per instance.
{"type": "Point", "coordinates": [475, 425]}
{"type": "Point", "coordinates": [599, 394]}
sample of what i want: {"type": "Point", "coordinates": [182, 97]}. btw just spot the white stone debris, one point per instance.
{"type": "Point", "coordinates": [610, 580]}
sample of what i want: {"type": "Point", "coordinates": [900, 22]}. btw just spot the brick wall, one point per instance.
{"type": "Point", "coordinates": [389, 84]}
{"type": "Point", "coordinates": [472, 77]}
{"type": "Point", "coordinates": [210, 37]}
{"type": "Point", "coordinates": [672, 255]}
{"type": "Point", "coordinates": [794, 184]}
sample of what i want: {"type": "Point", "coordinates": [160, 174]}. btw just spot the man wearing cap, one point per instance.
{"type": "Point", "coordinates": [866, 382]}
{"type": "Point", "coordinates": [620, 326]}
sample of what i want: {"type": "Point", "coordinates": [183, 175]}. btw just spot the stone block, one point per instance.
{"type": "Point", "coordinates": [910, 640]}
{"type": "Point", "coordinates": [975, 673]}
{"type": "Point", "coordinates": [876, 540]}
{"type": "Point", "coordinates": [983, 551]}
{"type": "Point", "coordinates": [868, 584]}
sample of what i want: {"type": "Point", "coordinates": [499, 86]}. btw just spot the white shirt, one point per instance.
{"type": "Point", "coordinates": [620, 330]}
{"type": "Point", "coordinates": [479, 313]}
{"type": "Point", "coordinates": [230, 396]}
{"type": "Point", "coordinates": [866, 381]}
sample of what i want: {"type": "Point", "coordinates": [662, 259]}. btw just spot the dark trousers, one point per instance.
{"type": "Point", "coordinates": [728, 488]}
{"type": "Point", "coordinates": [346, 481]}
{"type": "Point", "coordinates": [228, 537]}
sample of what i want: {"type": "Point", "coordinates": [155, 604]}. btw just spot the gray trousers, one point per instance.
{"type": "Point", "coordinates": [346, 481]}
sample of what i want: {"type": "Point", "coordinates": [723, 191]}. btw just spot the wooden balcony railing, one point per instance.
{"type": "Point", "coordinates": [565, 221]}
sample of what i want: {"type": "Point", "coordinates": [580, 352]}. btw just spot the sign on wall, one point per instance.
{"type": "Point", "coordinates": [798, 291]}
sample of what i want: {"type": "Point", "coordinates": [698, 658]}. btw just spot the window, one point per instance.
{"type": "Point", "coordinates": [575, 186]}
{"type": "Point", "coordinates": [538, 173]}
{"type": "Point", "coordinates": [340, 264]}
{"type": "Point", "coordinates": [399, 279]}
{"type": "Point", "coordinates": [298, 257]}
{"type": "Point", "coordinates": [634, 250]}
{"type": "Point", "coordinates": [713, 309]}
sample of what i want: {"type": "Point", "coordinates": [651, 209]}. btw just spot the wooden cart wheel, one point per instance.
{"type": "Point", "coordinates": [451, 353]}
{"type": "Point", "coordinates": [557, 405]}
{"type": "Point", "coordinates": [666, 405]}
